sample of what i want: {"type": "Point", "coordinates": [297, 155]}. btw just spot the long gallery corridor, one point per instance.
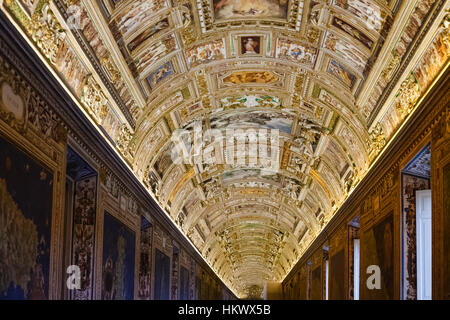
{"type": "Point", "coordinates": [224, 150]}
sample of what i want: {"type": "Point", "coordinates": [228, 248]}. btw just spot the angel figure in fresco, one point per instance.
{"type": "Point", "coordinates": [297, 53]}
{"type": "Point", "coordinates": [159, 75]}
{"type": "Point", "coordinates": [340, 73]}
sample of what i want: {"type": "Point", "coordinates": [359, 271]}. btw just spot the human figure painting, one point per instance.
{"type": "Point", "coordinates": [160, 74]}
{"type": "Point", "coordinates": [26, 191]}
{"type": "Point", "coordinates": [118, 260]}
{"type": "Point", "coordinates": [341, 73]}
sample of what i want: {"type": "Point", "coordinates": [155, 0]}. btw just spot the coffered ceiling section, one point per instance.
{"type": "Point", "coordinates": [314, 88]}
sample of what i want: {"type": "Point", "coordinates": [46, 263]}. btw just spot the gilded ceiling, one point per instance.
{"type": "Point", "coordinates": [334, 79]}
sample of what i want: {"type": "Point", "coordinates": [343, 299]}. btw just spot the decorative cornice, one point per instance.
{"type": "Point", "coordinates": [411, 51]}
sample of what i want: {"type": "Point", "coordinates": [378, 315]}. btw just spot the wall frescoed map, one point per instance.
{"type": "Point", "coordinates": [26, 190]}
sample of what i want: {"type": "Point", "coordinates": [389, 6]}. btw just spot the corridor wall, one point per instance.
{"type": "Point", "coordinates": [377, 201]}
{"type": "Point", "coordinates": [51, 217]}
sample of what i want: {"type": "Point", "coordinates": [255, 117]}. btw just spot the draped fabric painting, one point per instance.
{"type": "Point", "coordinates": [26, 190]}
{"type": "Point", "coordinates": [118, 260]}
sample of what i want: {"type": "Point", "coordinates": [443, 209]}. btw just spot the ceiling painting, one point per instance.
{"type": "Point", "coordinates": [316, 88]}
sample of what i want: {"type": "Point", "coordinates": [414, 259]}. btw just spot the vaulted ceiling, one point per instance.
{"type": "Point", "coordinates": [334, 78]}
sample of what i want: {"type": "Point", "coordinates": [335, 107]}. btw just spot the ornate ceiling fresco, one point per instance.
{"type": "Point", "coordinates": [334, 78]}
